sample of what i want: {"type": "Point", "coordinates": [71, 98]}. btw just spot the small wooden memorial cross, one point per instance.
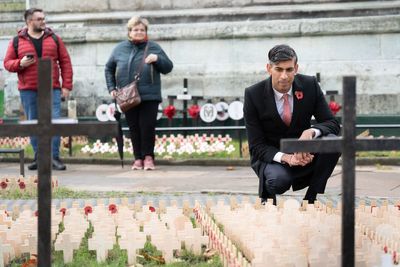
{"type": "Point", "coordinates": [66, 244]}
{"type": "Point", "coordinates": [347, 145]}
{"type": "Point", "coordinates": [45, 129]}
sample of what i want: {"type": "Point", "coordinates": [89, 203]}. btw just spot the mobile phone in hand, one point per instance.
{"type": "Point", "coordinates": [29, 56]}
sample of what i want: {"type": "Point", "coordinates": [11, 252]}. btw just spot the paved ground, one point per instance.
{"type": "Point", "coordinates": [371, 181]}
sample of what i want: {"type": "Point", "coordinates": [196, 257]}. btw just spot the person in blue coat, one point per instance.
{"type": "Point", "coordinates": [120, 70]}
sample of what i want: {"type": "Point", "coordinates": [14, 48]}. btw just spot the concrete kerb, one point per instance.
{"type": "Point", "coordinates": [202, 162]}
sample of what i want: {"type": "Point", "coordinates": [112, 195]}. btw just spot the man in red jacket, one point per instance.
{"type": "Point", "coordinates": [36, 41]}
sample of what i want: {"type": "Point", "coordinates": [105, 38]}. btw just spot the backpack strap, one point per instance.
{"type": "Point", "coordinates": [15, 44]}
{"type": "Point", "coordinates": [55, 38]}
{"type": "Point", "coordinates": [16, 40]}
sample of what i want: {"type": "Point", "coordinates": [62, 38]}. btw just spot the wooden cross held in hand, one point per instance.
{"type": "Point", "coordinates": [45, 129]}
{"type": "Point", "coordinates": [347, 145]}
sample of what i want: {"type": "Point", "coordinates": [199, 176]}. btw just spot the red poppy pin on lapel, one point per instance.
{"type": "Point", "coordinates": [299, 95]}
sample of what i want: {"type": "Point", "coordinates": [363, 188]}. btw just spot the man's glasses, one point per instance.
{"type": "Point", "coordinates": [39, 19]}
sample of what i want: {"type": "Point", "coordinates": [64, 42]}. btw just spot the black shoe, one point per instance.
{"type": "Point", "coordinates": [33, 166]}
{"type": "Point", "coordinates": [58, 165]}
{"type": "Point", "coordinates": [268, 195]}
{"type": "Point", "coordinates": [264, 201]}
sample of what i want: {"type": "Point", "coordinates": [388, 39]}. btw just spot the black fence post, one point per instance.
{"type": "Point", "coordinates": [348, 167]}
{"type": "Point", "coordinates": [184, 111]}
{"type": "Point", "coordinates": [70, 146]}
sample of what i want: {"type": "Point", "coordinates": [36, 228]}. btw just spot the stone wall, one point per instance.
{"type": "Point", "coordinates": [121, 5]}
{"type": "Point", "coordinates": [222, 53]}
{"type": "Point", "coordinates": [12, 5]}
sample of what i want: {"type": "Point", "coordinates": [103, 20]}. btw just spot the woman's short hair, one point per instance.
{"type": "Point", "coordinates": [134, 21]}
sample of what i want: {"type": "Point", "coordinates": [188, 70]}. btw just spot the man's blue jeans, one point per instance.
{"type": "Point", "coordinates": [29, 103]}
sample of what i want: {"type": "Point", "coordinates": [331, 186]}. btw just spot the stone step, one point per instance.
{"type": "Point", "coordinates": [74, 6]}
{"type": "Point", "coordinates": [245, 13]}
{"type": "Point", "coordinates": [77, 32]}
{"type": "Point", "coordinates": [256, 10]}
{"type": "Point", "coordinates": [233, 22]}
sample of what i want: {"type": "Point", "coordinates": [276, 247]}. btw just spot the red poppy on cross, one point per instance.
{"type": "Point", "coordinates": [21, 185]}
{"type": "Point", "coordinates": [170, 112]}
{"type": "Point", "coordinates": [63, 211]}
{"type": "Point", "coordinates": [88, 209]}
{"type": "Point", "coordinates": [112, 208]}
{"type": "Point", "coordinates": [194, 111]}
{"type": "Point", "coordinates": [3, 185]}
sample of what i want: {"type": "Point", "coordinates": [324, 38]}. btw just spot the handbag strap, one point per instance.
{"type": "Point", "coordinates": [137, 76]}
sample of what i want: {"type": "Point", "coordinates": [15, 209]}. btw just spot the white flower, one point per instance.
{"type": "Point", "coordinates": [159, 150]}
{"type": "Point", "coordinates": [171, 148]}
{"type": "Point", "coordinates": [230, 149]}
{"type": "Point", "coordinates": [85, 149]}
{"type": "Point", "coordinates": [170, 145]}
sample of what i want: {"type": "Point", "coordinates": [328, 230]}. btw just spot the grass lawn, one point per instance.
{"type": "Point", "coordinates": [65, 193]}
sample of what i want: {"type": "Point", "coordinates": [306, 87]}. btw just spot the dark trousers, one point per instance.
{"type": "Point", "coordinates": [142, 126]}
{"type": "Point", "coordinates": [280, 177]}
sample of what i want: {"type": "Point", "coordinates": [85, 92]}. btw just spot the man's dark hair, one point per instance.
{"type": "Point", "coordinates": [29, 13]}
{"type": "Point", "coordinates": [280, 53]}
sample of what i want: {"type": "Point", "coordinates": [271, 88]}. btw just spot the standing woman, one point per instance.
{"type": "Point", "coordinates": [141, 119]}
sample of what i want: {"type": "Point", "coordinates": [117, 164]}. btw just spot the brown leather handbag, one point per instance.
{"type": "Point", "coordinates": [128, 96]}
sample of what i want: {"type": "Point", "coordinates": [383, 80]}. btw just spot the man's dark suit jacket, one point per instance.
{"type": "Point", "coordinates": [265, 127]}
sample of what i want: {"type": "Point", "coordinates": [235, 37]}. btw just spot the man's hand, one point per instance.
{"type": "Point", "coordinates": [64, 93]}
{"type": "Point", "coordinates": [151, 58]}
{"type": "Point", "coordinates": [26, 61]}
{"type": "Point", "coordinates": [305, 157]}
{"type": "Point", "coordinates": [307, 134]}
{"type": "Point", "coordinates": [300, 158]}
{"type": "Point", "coordinates": [292, 160]}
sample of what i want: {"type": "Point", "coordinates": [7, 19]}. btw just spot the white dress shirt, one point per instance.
{"type": "Point", "coordinates": [279, 101]}
{"type": "Point", "coordinates": [279, 106]}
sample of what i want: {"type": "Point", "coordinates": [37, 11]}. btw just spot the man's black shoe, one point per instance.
{"type": "Point", "coordinates": [58, 165]}
{"type": "Point", "coordinates": [264, 201]}
{"type": "Point", "coordinates": [33, 166]}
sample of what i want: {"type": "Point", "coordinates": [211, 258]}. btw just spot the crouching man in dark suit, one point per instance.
{"type": "Point", "coordinates": [281, 107]}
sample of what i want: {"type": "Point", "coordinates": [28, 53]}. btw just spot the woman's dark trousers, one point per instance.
{"type": "Point", "coordinates": [142, 126]}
